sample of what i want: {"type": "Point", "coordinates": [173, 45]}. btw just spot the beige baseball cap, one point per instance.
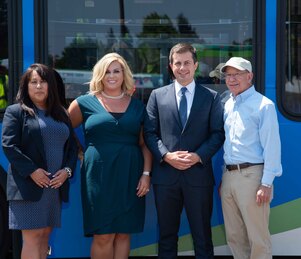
{"type": "Point", "coordinates": [238, 63]}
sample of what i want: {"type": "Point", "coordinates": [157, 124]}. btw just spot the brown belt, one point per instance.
{"type": "Point", "coordinates": [240, 166]}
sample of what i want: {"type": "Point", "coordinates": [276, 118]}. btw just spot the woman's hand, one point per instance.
{"type": "Point", "coordinates": [143, 185]}
{"type": "Point", "coordinates": [58, 178]}
{"type": "Point", "coordinates": [40, 177]}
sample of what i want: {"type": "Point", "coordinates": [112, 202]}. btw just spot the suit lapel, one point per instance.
{"type": "Point", "coordinates": [172, 100]}
{"type": "Point", "coordinates": [35, 132]}
{"type": "Point", "coordinates": [197, 101]}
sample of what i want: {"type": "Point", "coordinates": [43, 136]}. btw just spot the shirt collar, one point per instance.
{"type": "Point", "coordinates": [190, 87]}
{"type": "Point", "coordinates": [245, 94]}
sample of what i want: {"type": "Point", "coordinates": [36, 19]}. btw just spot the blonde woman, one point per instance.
{"type": "Point", "coordinates": [116, 166]}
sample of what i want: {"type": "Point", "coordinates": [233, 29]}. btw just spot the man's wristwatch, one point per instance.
{"type": "Point", "coordinates": [266, 185]}
{"type": "Point", "coordinates": [69, 171]}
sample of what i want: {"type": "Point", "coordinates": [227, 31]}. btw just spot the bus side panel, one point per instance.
{"type": "Point", "coordinates": [285, 224]}
{"type": "Point", "coordinates": [28, 33]}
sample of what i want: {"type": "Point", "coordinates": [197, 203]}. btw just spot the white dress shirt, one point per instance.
{"type": "Point", "coordinates": [189, 94]}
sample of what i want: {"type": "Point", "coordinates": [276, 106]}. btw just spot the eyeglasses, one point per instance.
{"type": "Point", "coordinates": [36, 83]}
{"type": "Point", "coordinates": [234, 76]}
{"type": "Point", "coordinates": [114, 72]}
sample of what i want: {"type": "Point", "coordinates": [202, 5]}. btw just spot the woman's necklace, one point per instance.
{"type": "Point", "coordinates": [112, 97]}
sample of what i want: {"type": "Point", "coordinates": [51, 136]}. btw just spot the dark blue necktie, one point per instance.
{"type": "Point", "coordinates": [183, 106]}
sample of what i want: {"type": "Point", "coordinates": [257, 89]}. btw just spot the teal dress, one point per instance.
{"type": "Point", "coordinates": [112, 167]}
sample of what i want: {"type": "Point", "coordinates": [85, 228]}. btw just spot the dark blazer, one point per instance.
{"type": "Point", "coordinates": [202, 134]}
{"type": "Point", "coordinates": [23, 146]}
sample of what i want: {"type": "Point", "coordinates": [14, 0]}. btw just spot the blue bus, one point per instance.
{"type": "Point", "coordinates": [71, 35]}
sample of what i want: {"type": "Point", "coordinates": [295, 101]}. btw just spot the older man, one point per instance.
{"type": "Point", "coordinates": [253, 159]}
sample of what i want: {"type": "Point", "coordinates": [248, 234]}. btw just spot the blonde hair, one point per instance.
{"type": "Point", "coordinates": [99, 72]}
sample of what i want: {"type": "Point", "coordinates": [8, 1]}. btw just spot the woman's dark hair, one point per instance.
{"type": "Point", "coordinates": [60, 88]}
{"type": "Point", "coordinates": [54, 107]}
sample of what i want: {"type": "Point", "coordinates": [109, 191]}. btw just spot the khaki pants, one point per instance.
{"type": "Point", "coordinates": [246, 223]}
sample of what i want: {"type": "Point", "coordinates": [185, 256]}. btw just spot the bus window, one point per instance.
{"type": "Point", "coordinates": [143, 32]}
{"type": "Point", "coordinates": [291, 94]}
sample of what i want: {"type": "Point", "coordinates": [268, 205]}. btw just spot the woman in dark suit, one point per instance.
{"type": "Point", "coordinates": [38, 140]}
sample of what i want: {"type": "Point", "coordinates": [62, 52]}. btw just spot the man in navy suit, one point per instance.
{"type": "Point", "coordinates": [184, 131]}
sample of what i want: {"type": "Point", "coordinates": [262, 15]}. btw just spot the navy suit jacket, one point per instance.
{"type": "Point", "coordinates": [23, 146]}
{"type": "Point", "coordinates": [203, 134]}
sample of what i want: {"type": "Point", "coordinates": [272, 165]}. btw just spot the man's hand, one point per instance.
{"type": "Point", "coordinates": [263, 195]}
{"type": "Point", "coordinates": [181, 160]}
